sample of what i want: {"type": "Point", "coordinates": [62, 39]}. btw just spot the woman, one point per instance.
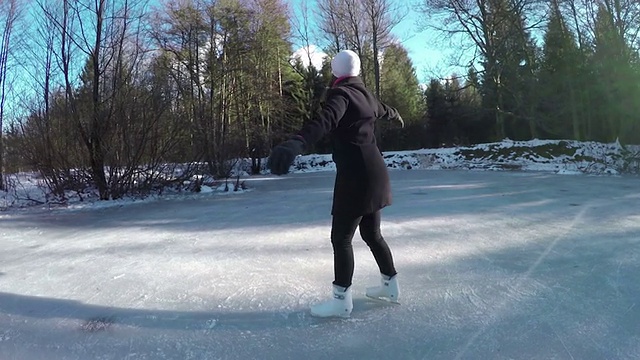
{"type": "Point", "coordinates": [362, 186]}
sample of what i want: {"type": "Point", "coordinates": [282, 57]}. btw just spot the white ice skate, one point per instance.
{"type": "Point", "coordinates": [340, 305]}
{"type": "Point", "coordinates": [389, 290]}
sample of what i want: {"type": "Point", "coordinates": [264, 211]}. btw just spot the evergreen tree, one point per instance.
{"type": "Point", "coordinates": [455, 114]}
{"type": "Point", "coordinates": [304, 92]}
{"type": "Point", "coordinates": [512, 72]}
{"type": "Point", "coordinates": [400, 89]}
{"type": "Point", "coordinates": [399, 86]}
{"type": "Point", "coordinates": [508, 60]}
{"type": "Point", "coordinates": [438, 114]}
{"type": "Point", "coordinates": [557, 95]}
{"type": "Point", "coordinates": [474, 127]}
{"type": "Point", "coordinates": [616, 91]}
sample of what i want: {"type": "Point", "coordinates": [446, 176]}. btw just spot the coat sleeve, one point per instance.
{"type": "Point", "coordinates": [332, 112]}
{"type": "Point", "coordinates": [386, 112]}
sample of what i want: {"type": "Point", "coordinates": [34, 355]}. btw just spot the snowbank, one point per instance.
{"type": "Point", "coordinates": [558, 156]}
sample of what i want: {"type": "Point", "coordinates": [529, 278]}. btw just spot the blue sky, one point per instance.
{"type": "Point", "coordinates": [427, 49]}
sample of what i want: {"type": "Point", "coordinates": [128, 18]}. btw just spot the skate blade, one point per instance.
{"type": "Point", "coordinates": [383, 300]}
{"type": "Point", "coordinates": [316, 316]}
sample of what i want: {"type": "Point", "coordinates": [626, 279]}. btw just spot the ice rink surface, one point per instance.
{"type": "Point", "coordinates": [492, 265]}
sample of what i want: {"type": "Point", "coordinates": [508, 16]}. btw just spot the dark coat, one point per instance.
{"type": "Point", "coordinates": [349, 115]}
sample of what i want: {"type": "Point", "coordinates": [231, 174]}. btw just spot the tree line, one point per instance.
{"type": "Point", "coordinates": [113, 95]}
{"type": "Point", "coordinates": [554, 69]}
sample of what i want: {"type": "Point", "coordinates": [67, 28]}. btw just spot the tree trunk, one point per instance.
{"type": "Point", "coordinates": [96, 151]}
{"type": "Point", "coordinates": [4, 57]}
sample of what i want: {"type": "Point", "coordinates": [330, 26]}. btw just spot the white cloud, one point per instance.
{"type": "Point", "coordinates": [317, 56]}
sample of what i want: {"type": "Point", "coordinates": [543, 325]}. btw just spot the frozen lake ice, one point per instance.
{"type": "Point", "coordinates": [493, 265]}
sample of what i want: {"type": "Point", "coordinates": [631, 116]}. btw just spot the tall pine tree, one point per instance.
{"type": "Point", "coordinates": [399, 88]}
{"type": "Point", "coordinates": [399, 84]}
{"type": "Point", "coordinates": [560, 113]}
{"type": "Point", "coordinates": [616, 101]}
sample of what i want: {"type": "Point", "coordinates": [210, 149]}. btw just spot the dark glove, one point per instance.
{"type": "Point", "coordinates": [282, 155]}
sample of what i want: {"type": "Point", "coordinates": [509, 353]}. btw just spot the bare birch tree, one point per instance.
{"type": "Point", "coordinates": [331, 23]}
{"type": "Point", "coordinates": [8, 16]}
{"type": "Point", "coordinates": [362, 26]}
{"type": "Point", "coordinates": [382, 16]}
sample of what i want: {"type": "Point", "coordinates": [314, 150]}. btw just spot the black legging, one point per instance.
{"type": "Point", "coordinates": [342, 231]}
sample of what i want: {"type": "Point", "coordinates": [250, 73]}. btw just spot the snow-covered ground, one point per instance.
{"type": "Point", "coordinates": [493, 265]}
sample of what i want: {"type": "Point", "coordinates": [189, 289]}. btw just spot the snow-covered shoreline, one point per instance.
{"type": "Point", "coordinates": [558, 156]}
{"type": "Point", "coordinates": [555, 156]}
